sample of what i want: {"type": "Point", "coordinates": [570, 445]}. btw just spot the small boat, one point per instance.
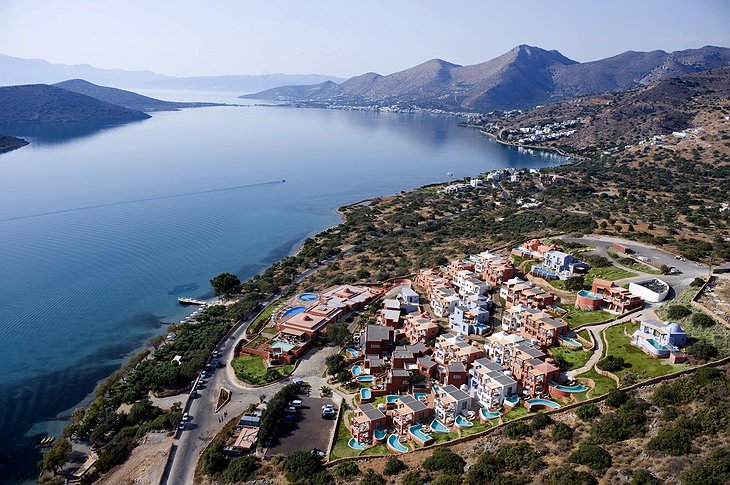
{"type": "Point", "coordinates": [283, 180]}
{"type": "Point", "coordinates": [450, 174]}
{"type": "Point", "coordinates": [46, 441]}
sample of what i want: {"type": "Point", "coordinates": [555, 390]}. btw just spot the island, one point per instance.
{"type": "Point", "coordinates": [9, 143]}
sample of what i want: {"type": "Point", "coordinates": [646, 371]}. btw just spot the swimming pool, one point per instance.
{"type": "Point", "coordinates": [356, 370]}
{"type": "Point", "coordinates": [365, 378]}
{"type": "Point", "coordinates": [420, 396]}
{"type": "Point", "coordinates": [391, 398]}
{"type": "Point", "coordinates": [512, 400]}
{"type": "Point", "coordinates": [355, 445]}
{"type": "Point", "coordinates": [462, 422]}
{"type": "Point", "coordinates": [282, 345]}
{"type": "Point", "coordinates": [307, 296]}
{"type": "Point", "coordinates": [542, 404]}
{"type": "Point", "coordinates": [576, 388]}
{"type": "Point", "coordinates": [571, 342]}
{"type": "Point", "coordinates": [438, 427]}
{"type": "Point", "coordinates": [293, 311]}
{"type": "Point", "coordinates": [422, 438]}
{"type": "Point", "coordinates": [365, 394]}
{"type": "Point", "coordinates": [484, 414]}
{"type": "Point", "coordinates": [656, 345]}
{"type": "Point", "coordinates": [379, 434]}
{"type": "Point", "coordinates": [590, 295]}
{"type": "Point", "coordinates": [353, 353]}
{"type": "Point", "coordinates": [395, 445]}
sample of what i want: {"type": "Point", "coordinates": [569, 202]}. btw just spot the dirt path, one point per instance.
{"type": "Point", "coordinates": [144, 466]}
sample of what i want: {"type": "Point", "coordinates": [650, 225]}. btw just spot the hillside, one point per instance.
{"type": "Point", "coordinates": [43, 103]}
{"type": "Point", "coordinates": [8, 143]}
{"type": "Point", "coordinates": [124, 98]}
{"type": "Point", "coordinates": [524, 77]}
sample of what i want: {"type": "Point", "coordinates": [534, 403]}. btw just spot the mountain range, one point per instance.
{"type": "Point", "coordinates": [15, 71]}
{"type": "Point", "coordinates": [522, 78]}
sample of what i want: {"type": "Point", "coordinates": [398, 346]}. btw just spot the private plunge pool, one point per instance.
{"type": "Point", "coordinates": [355, 445]}
{"type": "Point", "coordinates": [356, 370]}
{"type": "Point", "coordinates": [365, 378]}
{"type": "Point", "coordinates": [391, 398]}
{"type": "Point", "coordinates": [576, 388]}
{"type": "Point", "coordinates": [379, 434]}
{"type": "Point", "coordinates": [487, 415]}
{"type": "Point", "coordinates": [462, 422]}
{"type": "Point", "coordinates": [438, 427]}
{"type": "Point", "coordinates": [365, 394]}
{"type": "Point", "coordinates": [571, 342]}
{"type": "Point", "coordinates": [293, 311]}
{"type": "Point", "coordinates": [535, 404]}
{"type": "Point", "coordinates": [395, 445]}
{"type": "Point", "coordinates": [353, 353]}
{"type": "Point", "coordinates": [417, 434]}
{"type": "Point", "coordinates": [307, 296]}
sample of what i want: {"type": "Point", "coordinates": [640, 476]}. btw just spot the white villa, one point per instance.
{"type": "Point", "coordinates": [659, 339]}
{"type": "Point", "coordinates": [490, 383]}
{"type": "Point", "coordinates": [449, 402]}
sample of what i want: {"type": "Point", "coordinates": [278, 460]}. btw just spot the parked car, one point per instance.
{"type": "Point", "coordinates": [220, 364]}
{"type": "Point", "coordinates": [318, 452]}
{"type": "Point", "coordinates": [328, 406]}
{"type": "Point", "coordinates": [297, 403]}
{"type": "Point", "coordinates": [186, 417]}
{"type": "Point", "coordinates": [329, 414]}
{"type": "Point", "coordinates": [290, 410]}
{"type": "Point", "coordinates": [181, 426]}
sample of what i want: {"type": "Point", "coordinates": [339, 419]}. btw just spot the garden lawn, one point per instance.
{"type": "Point", "coordinates": [635, 360]}
{"type": "Point", "coordinates": [381, 449]}
{"type": "Point", "coordinates": [610, 273]}
{"type": "Point", "coordinates": [576, 317]}
{"type": "Point", "coordinates": [251, 369]}
{"type": "Point", "coordinates": [477, 428]}
{"type": "Point", "coordinates": [574, 358]}
{"type": "Point", "coordinates": [516, 412]}
{"type": "Point", "coordinates": [340, 449]}
{"type": "Point", "coordinates": [603, 385]}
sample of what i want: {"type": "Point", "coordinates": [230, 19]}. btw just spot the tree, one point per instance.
{"type": "Point", "coordinates": [517, 429]}
{"type": "Point", "coordinates": [56, 456]}
{"type": "Point", "coordinates": [697, 282]}
{"type": "Point", "coordinates": [664, 269]}
{"type": "Point", "coordinates": [213, 460]}
{"type": "Point", "coordinates": [574, 283]}
{"type": "Point", "coordinates": [487, 469]}
{"type": "Point", "coordinates": [444, 460]}
{"type": "Point", "coordinates": [371, 478]}
{"type": "Point", "coordinates": [334, 364]}
{"type": "Point", "coordinates": [565, 475]}
{"type": "Point", "coordinates": [675, 312]}
{"type": "Point", "coordinates": [611, 363]}
{"type": "Point", "coordinates": [225, 285]}
{"type": "Point", "coordinates": [394, 466]}
{"type": "Point", "coordinates": [302, 467]}
{"type": "Point", "coordinates": [541, 421]}
{"type": "Point", "coordinates": [592, 456]}
{"type": "Point", "coordinates": [338, 334]}
{"type": "Point", "coordinates": [347, 470]}
{"type": "Point", "coordinates": [643, 477]}
{"type": "Point", "coordinates": [239, 469]}
{"type": "Point", "coordinates": [562, 431]}
{"type": "Point", "coordinates": [702, 320]}
{"type": "Point", "coordinates": [616, 397]}
{"type": "Point", "coordinates": [702, 350]}
{"type": "Point", "coordinates": [588, 412]}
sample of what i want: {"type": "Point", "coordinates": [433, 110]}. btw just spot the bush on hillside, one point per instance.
{"type": "Point", "coordinates": [565, 475]}
{"type": "Point", "coordinates": [611, 363]}
{"type": "Point", "coordinates": [347, 470]}
{"type": "Point", "coordinates": [702, 320]}
{"type": "Point", "coordinates": [444, 460]}
{"type": "Point", "coordinates": [517, 429]}
{"type": "Point", "coordinates": [562, 431]}
{"type": "Point", "coordinates": [616, 397]}
{"type": "Point", "coordinates": [592, 456]}
{"type": "Point", "coordinates": [394, 466]}
{"type": "Point", "coordinates": [588, 412]}
{"type": "Point", "coordinates": [675, 312]}
{"type": "Point", "coordinates": [541, 421]}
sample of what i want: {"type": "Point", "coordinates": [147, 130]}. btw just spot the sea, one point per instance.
{"type": "Point", "coordinates": [103, 227]}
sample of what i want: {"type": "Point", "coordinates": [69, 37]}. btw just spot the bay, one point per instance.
{"type": "Point", "coordinates": [103, 227]}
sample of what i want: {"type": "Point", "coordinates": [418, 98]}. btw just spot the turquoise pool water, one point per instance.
{"type": "Point", "coordinates": [282, 345]}
{"type": "Point", "coordinates": [416, 432]}
{"type": "Point", "coordinates": [577, 388]}
{"type": "Point", "coordinates": [462, 422]}
{"type": "Point", "coordinates": [365, 378]}
{"type": "Point", "coordinates": [488, 414]}
{"type": "Point", "coordinates": [512, 400]}
{"type": "Point", "coordinates": [397, 445]}
{"type": "Point", "coordinates": [438, 427]}
{"type": "Point", "coordinates": [571, 341]}
{"type": "Point", "coordinates": [420, 395]}
{"type": "Point", "coordinates": [379, 434]}
{"type": "Point", "coordinates": [656, 345]}
{"type": "Point", "coordinates": [307, 296]}
{"type": "Point", "coordinates": [355, 445]}
{"type": "Point", "coordinates": [589, 294]}
{"type": "Point", "coordinates": [365, 393]}
{"type": "Point", "coordinates": [293, 311]}
{"type": "Point", "coordinates": [356, 370]}
{"type": "Point", "coordinates": [353, 353]}
{"type": "Point", "coordinates": [391, 398]}
{"type": "Point", "coordinates": [544, 403]}
{"type": "Point", "coordinates": [540, 271]}
{"type": "Point", "coordinates": [556, 308]}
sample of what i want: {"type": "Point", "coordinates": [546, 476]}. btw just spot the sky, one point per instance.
{"type": "Point", "coordinates": [343, 38]}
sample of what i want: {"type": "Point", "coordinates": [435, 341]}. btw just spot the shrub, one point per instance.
{"type": "Point", "coordinates": [588, 412]}
{"type": "Point", "coordinates": [239, 469]}
{"type": "Point", "coordinates": [616, 397]}
{"type": "Point", "coordinates": [675, 312]}
{"type": "Point", "coordinates": [702, 350]}
{"type": "Point", "coordinates": [213, 460]}
{"type": "Point", "coordinates": [697, 282]}
{"type": "Point", "coordinates": [303, 467]}
{"type": "Point", "coordinates": [611, 363]}
{"type": "Point", "coordinates": [413, 478]}
{"type": "Point", "coordinates": [347, 469]}
{"type": "Point", "coordinates": [444, 460]}
{"type": "Point", "coordinates": [394, 466]}
{"type": "Point", "coordinates": [562, 431]}
{"type": "Point", "coordinates": [517, 455]}
{"type": "Point", "coordinates": [714, 471]}
{"type": "Point", "coordinates": [643, 477]}
{"type": "Point", "coordinates": [592, 456]}
{"type": "Point", "coordinates": [565, 475]}
{"type": "Point", "coordinates": [487, 469]}
{"type": "Point", "coordinates": [372, 478]}
{"type": "Point", "coordinates": [541, 421]}
{"type": "Point", "coordinates": [574, 283]}
{"type": "Point", "coordinates": [674, 440]}
{"type": "Point", "coordinates": [447, 479]}
{"type": "Point", "coordinates": [517, 429]}
{"type": "Point", "coordinates": [702, 320]}
{"type": "Point", "coordinates": [625, 423]}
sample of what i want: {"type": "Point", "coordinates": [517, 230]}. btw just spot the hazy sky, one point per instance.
{"type": "Point", "coordinates": [186, 37]}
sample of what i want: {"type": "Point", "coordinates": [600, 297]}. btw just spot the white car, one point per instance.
{"type": "Point", "coordinates": [186, 417]}
{"type": "Point", "coordinates": [297, 403]}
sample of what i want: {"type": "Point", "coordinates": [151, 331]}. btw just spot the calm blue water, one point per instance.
{"type": "Point", "coordinates": [81, 289]}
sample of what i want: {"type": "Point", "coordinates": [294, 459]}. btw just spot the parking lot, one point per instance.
{"type": "Point", "coordinates": [307, 432]}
